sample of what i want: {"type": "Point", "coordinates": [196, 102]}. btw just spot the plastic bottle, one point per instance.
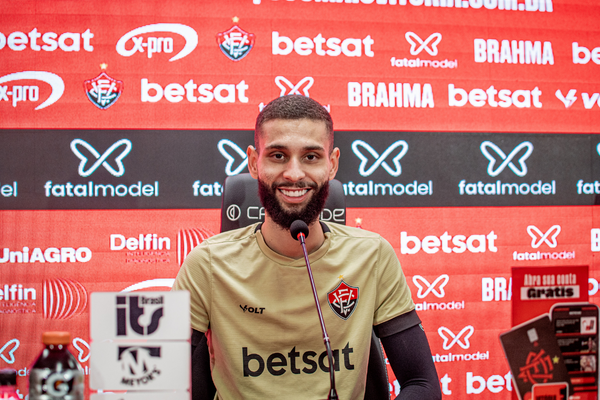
{"type": "Point", "coordinates": [56, 375]}
{"type": "Point", "coordinates": [8, 384]}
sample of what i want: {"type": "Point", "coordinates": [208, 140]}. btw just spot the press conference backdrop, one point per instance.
{"type": "Point", "coordinates": [468, 134]}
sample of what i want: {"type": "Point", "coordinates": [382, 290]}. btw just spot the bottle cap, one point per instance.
{"type": "Point", "coordinates": [56, 338]}
{"type": "Point", "coordinates": [8, 377]}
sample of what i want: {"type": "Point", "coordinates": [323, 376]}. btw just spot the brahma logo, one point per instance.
{"type": "Point", "coordinates": [367, 94]}
{"type": "Point", "coordinates": [187, 239]}
{"type": "Point", "coordinates": [417, 45]}
{"type": "Point", "coordinates": [513, 52]}
{"type": "Point", "coordinates": [23, 93]}
{"type": "Point", "coordinates": [437, 289]}
{"type": "Point", "coordinates": [496, 289]}
{"type": "Point", "coordinates": [155, 45]}
{"type": "Point", "coordinates": [63, 298]}
{"type": "Point", "coordinates": [547, 238]}
{"type": "Point", "coordinates": [462, 339]}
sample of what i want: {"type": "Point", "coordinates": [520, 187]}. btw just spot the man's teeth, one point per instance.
{"type": "Point", "coordinates": [294, 193]}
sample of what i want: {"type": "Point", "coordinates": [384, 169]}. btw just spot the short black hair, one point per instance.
{"type": "Point", "coordinates": [294, 106]}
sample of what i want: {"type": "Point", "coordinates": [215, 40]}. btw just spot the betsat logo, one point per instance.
{"type": "Point", "coordinates": [417, 46]}
{"type": "Point", "coordinates": [85, 152]}
{"type": "Point", "coordinates": [544, 239]}
{"type": "Point", "coordinates": [333, 47]}
{"type": "Point", "coordinates": [589, 187]}
{"type": "Point", "coordinates": [589, 100]}
{"type": "Point", "coordinates": [371, 160]}
{"type": "Point", "coordinates": [499, 161]}
{"type": "Point", "coordinates": [521, 98]}
{"type": "Point", "coordinates": [51, 41]}
{"type": "Point", "coordinates": [458, 244]}
{"type": "Point", "coordinates": [513, 52]}
{"type": "Point", "coordinates": [157, 44]}
{"type": "Point", "coordinates": [31, 93]}
{"type": "Point", "coordinates": [145, 248]}
{"type": "Point", "coordinates": [366, 94]}
{"type": "Point", "coordinates": [193, 92]}
{"type": "Point", "coordinates": [450, 339]}
{"type": "Point", "coordinates": [583, 54]}
{"type": "Point", "coordinates": [435, 288]}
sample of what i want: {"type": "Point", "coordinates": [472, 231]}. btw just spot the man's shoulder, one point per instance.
{"type": "Point", "coordinates": [234, 235]}
{"type": "Point", "coordinates": [340, 230]}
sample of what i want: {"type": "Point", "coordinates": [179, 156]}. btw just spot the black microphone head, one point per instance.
{"type": "Point", "coordinates": [298, 227]}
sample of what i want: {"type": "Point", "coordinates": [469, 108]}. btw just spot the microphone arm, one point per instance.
{"type": "Point", "coordinates": [299, 231]}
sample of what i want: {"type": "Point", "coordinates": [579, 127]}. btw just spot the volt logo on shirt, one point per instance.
{"type": "Point", "coordinates": [307, 363]}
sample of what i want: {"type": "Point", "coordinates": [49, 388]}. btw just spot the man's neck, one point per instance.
{"type": "Point", "coordinates": [280, 240]}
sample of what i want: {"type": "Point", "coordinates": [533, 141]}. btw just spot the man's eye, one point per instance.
{"type": "Point", "coordinates": [312, 157]}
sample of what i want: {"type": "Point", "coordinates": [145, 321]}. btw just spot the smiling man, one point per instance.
{"type": "Point", "coordinates": [277, 350]}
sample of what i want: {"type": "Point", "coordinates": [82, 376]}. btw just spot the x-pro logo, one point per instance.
{"type": "Point", "coordinates": [156, 44]}
{"type": "Point", "coordinates": [55, 82]}
{"type": "Point", "coordinates": [380, 160]}
{"type": "Point", "coordinates": [506, 159]}
{"type": "Point", "coordinates": [101, 159]}
{"type": "Point", "coordinates": [288, 87]}
{"type": "Point", "coordinates": [414, 40]}
{"type": "Point", "coordinates": [231, 159]}
{"type": "Point", "coordinates": [450, 339]}
{"type": "Point", "coordinates": [422, 283]}
{"type": "Point", "coordinates": [537, 237]}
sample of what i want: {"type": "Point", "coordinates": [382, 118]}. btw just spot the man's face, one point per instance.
{"type": "Point", "coordinates": [293, 165]}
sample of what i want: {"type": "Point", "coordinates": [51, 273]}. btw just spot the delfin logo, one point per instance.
{"type": "Point", "coordinates": [380, 159]}
{"type": "Point", "coordinates": [187, 239]}
{"type": "Point", "coordinates": [55, 82]}
{"type": "Point", "coordinates": [506, 160]}
{"type": "Point", "coordinates": [153, 44]}
{"type": "Point", "coordinates": [101, 159]}
{"type": "Point", "coordinates": [231, 159]}
{"type": "Point", "coordinates": [63, 298]}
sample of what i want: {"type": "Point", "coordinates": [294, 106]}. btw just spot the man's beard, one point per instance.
{"type": "Point", "coordinates": [284, 218]}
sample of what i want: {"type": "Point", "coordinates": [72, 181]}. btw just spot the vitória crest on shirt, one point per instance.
{"type": "Point", "coordinates": [343, 300]}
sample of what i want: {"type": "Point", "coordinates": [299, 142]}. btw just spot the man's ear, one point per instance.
{"type": "Point", "coordinates": [334, 162]}
{"type": "Point", "coordinates": [252, 161]}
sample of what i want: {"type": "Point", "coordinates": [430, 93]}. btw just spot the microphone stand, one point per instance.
{"type": "Point", "coordinates": [332, 392]}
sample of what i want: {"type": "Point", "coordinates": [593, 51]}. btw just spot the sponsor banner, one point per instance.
{"type": "Point", "coordinates": [116, 169]}
{"type": "Point", "coordinates": [379, 65]}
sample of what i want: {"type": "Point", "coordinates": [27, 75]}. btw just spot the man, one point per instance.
{"type": "Point", "coordinates": [276, 351]}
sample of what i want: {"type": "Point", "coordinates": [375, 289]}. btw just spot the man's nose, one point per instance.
{"type": "Point", "coordinates": [294, 171]}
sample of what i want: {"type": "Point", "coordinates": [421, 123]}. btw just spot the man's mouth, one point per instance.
{"type": "Point", "coordinates": [294, 192]}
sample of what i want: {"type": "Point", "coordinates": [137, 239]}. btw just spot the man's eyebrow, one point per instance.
{"type": "Point", "coordinates": [276, 146]}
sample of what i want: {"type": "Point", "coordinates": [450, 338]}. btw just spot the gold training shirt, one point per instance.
{"type": "Point", "coordinates": [258, 311]}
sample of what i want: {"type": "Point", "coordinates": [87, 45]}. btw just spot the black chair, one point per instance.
{"type": "Point", "coordinates": [241, 207]}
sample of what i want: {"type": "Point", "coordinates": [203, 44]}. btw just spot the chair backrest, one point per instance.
{"type": "Point", "coordinates": [241, 205]}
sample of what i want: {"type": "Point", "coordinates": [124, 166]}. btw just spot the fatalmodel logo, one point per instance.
{"type": "Point", "coordinates": [103, 91]}
{"type": "Point", "coordinates": [286, 87]}
{"type": "Point", "coordinates": [589, 100]}
{"type": "Point", "coordinates": [513, 52]}
{"type": "Point", "coordinates": [589, 187]}
{"type": "Point", "coordinates": [237, 161]}
{"type": "Point", "coordinates": [437, 289]}
{"type": "Point", "coordinates": [462, 339]}
{"type": "Point", "coordinates": [417, 45]}
{"type": "Point", "coordinates": [7, 352]}
{"type": "Point", "coordinates": [540, 238]}
{"type": "Point", "coordinates": [24, 93]}
{"type": "Point", "coordinates": [67, 42]}
{"type": "Point", "coordinates": [187, 239]}
{"type": "Point", "coordinates": [332, 46]}
{"type": "Point", "coordinates": [492, 153]}
{"type": "Point", "coordinates": [83, 349]}
{"type": "Point", "coordinates": [155, 45]}
{"type": "Point", "coordinates": [398, 149]}
{"type": "Point", "coordinates": [235, 42]}
{"type": "Point", "coordinates": [131, 308]}
{"type": "Point", "coordinates": [366, 94]}
{"type": "Point", "coordinates": [114, 167]}
{"type": "Point", "coordinates": [63, 298]}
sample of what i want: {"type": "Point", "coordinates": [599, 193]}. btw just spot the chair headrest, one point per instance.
{"type": "Point", "coordinates": [241, 205]}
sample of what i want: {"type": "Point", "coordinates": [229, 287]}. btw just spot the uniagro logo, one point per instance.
{"type": "Point", "coordinates": [187, 239]}
{"type": "Point", "coordinates": [63, 298]}
{"type": "Point", "coordinates": [155, 45]}
{"type": "Point", "coordinates": [23, 93]}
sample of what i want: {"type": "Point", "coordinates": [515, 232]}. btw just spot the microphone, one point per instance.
{"type": "Point", "coordinates": [299, 231]}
